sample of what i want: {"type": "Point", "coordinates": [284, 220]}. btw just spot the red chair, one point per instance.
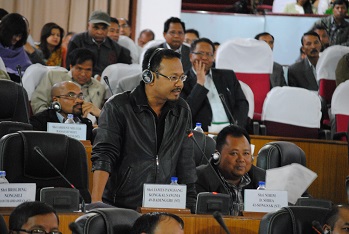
{"type": "Point", "coordinates": [252, 62]}
{"type": "Point", "coordinates": [340, 110]}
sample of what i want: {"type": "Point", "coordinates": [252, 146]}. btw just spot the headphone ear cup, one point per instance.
{"type": "Point", "coordinates": [56, 106]}
{"type": "Point", "coordinates": [216, 156]}
{"type": "Point", "coordinates": [147, 76]}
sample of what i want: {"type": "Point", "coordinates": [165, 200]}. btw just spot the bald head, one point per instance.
{"type": "Point", "coordinates": [62, 87]}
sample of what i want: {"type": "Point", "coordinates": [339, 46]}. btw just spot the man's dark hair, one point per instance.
{"type": "Point", "coordinates": [147, 31]}
{"type": "Point", "coordinates": [114, 20]}
{"type": "Point", "coordinates": [340, 2]}
{"type": "Point", "coordinates": [310, 33]}
{"type": "Point", "coordinates": [263, 34]}
{"type": "Point", "coordinates": [148, 222]}
{"type": "Point", "coordinates": [78, 56]}
{"type": "Point", "coordinates": [216, 43]}
{"type": "Point", "coordinates": [318, 27]}
{"type": "Point", "coordinates": [10, 25]}
{"type": "Point", "coordinates": [3, 12]}
{"type": "Point", "coordinates": [231, 130]}
{"type": "Point", "coordinates": [332, 217]}
{"type": "Point", "coordinates": [45, 33]}
{"type": "Point", "coordinates": [24, 211]}
{"type": "Point", "coordinates": [157, 58]}
{"type": "Point", "coordinates": [203, 39]}
{"type": "Point", "coordinates": [173, 20]}
{"type": "Point", "coordinates": [194, 31]}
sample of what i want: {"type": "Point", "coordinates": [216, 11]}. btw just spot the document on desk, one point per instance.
{"type": "Point", "coordinates": [293, 178]}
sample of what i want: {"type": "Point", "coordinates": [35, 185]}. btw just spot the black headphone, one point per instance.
{"type": "Point", "coordinates": [147, 75]}
{"type": "Point", "coordinates": [56, 106]}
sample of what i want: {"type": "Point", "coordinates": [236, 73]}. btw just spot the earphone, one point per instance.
{"type": "Point", "coordinates": [147, 75]}
{"type": "Point", "coordinates": [56, 106]}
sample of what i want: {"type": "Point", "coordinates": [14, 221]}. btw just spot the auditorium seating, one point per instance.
{"type": "Point", "coordinates": [7, 127]}
{"type": "Point", "coordinates": [340, 110]}
{"type": "Point", "coordinates": [150, 44]}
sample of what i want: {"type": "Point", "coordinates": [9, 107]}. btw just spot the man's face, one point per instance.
{"type": "Point", "coordinates": [190, 37]}
{"type": "Point", "coordinates": [236, 158]}
{"type": "Point", "coordinates": [124, 27]}
{"type": "Point", "coordinates": [323, 36]}
{"type": "Point", "coordinates": [339, 11]}
{"type": "Point", "coordinates": [342, 224]}
{"type": "Point", "coordinates": [98, 31]}
{"type": "Point", "coordinates": [82, 72]}
{"type": "Point", "coordinates": [114, 31]}
{"type": "Point", "coordinates": [144, 38]}
{"type": "Point", "coordinates": [175, 35]}
{"type": "Point", "coordinates": [168, 225]}
{"type": "Point", "coordinates": [311, 46]}
{"type": "Point", "coordinates": [164, 89]}
{"type": "Point", "coordinates": [46, 222]}
{"type": "Point", "coordinates": [69, 96]}
{"type": "Point", "coordinates": [203, 52]}
{"type": "Point", "coordinates": [268, 39]}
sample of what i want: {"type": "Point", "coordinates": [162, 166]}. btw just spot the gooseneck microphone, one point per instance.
{"type": "Point", "coordinates": [234, 122]}
{"type": "Point", "coordinates": [19, 70]}
{"type": "Point", "coordinates": [106, 80]}
{"type": "Point", "coordinates": [219, 218]}
{"type": "Point", "coordinates": [191, 135]}
{"type": "Point", "coordinates": [317, 227]}
{"type": "Point", "coordinates": [38, 150]}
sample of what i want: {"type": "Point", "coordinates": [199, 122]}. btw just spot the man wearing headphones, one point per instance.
{"type": "Point", "coordinates": [337, 220]}
{"type": "Point", "coordinates": [67, 98]}
{"type": "Point", "coordinates": [231, 170]}
{"type": "Point", "coordinates": [142, 136]}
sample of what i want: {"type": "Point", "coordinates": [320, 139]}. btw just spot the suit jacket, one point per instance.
{"type": "Point", "coordinates": [301, 75]}
{"type": "Point", "coordinates": [185, 51]}
{"type": "Point", "coordinates": [226, 84]}
{"type": "Point", "coordinates": [277, 78]}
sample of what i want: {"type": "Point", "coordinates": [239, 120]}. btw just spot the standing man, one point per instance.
{"type": "Point", "coordinates": [302, 74]}
{"type": "Point", "coordinates": [277, 77]}
{"type": "Point", "coordinates": [142, 136]}
{"type": "Point", "coordinates": [204, 86]}
{"type": "Point", "coordinates": [174, 30]}
{"type": "Point", "coordinates": [336, 25]}
{"type": "Point", "coordinates": [95, 39]}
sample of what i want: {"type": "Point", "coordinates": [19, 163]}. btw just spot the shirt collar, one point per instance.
{"type": "Point", "coordinates": [178, 50]}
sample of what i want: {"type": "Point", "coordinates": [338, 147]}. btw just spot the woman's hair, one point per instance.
{"type": "Point", "coordinates": [45, 33]}
{"type": "Point", "coordinates": [11, 25]}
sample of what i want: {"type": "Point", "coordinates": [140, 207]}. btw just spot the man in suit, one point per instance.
{"type": "Point", "coordinates": [205, 85]}
{"type": "Point", "coordinates": [174, 30]}
{"type": "Point", "coordinates": [277, 77]}
{"type": "Point", "coordinates": [302, 74]}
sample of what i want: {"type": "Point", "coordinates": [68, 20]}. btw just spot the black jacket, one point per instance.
{"type": "Point", "coordinates": [126, 147]}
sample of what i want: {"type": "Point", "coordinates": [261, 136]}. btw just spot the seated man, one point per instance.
{"type": "Point", "coordinates": [233, 171]}
{"type": "Point", "coordinates": [158, 223]}
{"type": "Point", "coordinates": [34, 217]}
{"type": "Point", "coordinates": [81, 67]}
{"type": "Point", "coordinates": [337, 220]}
{"type": "Point", "coordinates": [67, 98]}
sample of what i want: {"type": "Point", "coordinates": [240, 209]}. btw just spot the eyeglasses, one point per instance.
{"type": "Point", "coordinates": [124, 26]}
{"type": "Point", "coordinates": [36, 231]}
{"type": "Point", "coordinates": [202, 54]}
{"type": "Point", "coordinates": [72, 96]}
{"type": "Point", "coordinates": [174, 33]}
{"type": "Point", "coordinates": [173, 78]}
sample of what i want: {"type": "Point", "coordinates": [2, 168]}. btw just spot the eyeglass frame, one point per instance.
{"type": "Point", "coordinates": [37, 229]}
{"type": "Point", "coordinates": [172, 33]}
{"type": "Point", "coordinates": [201, 54]}
{"type": "Point", "coordinates": [72, 96]}
{"type": "Point", "coordinates": [170, 77]}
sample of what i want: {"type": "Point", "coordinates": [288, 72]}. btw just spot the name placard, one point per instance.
{"type": "Point", "coordinates": [77, 131]}
{"type": "Point", "coordinates": [264, 200]}
{"type": "Point", "coordinates": [164, 196]}
{"type": "Point", "coordinates": [11, 195]}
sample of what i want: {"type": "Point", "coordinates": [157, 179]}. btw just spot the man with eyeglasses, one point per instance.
{"type": "Point", "coordinates": [142, 136]}
{"type": "Point", "coordinates": [173, 33]}
{"type": "Point", "coordinates": [205, 85]}
{"type": "Point", "coordinates": [34, 218]}
{"type": "Point", "coordinates": [125, 27]}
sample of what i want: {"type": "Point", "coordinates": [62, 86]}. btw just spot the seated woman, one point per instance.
{"type": "Point", "coordinates": [300, 7]}
{"type": "Point", "coordinates": [13, 35]}
{"type": "Point", "coordinates": [51, 45]}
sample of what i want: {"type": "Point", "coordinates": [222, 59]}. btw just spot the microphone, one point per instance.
{"type": "Point", "coordinates": [19, 70]}
{"type": "Point", "coordinates": [317, 227]}
{"type": "Point", "coordinates": [38, 150]}
{"type": "Point", "coordinates": [106, 79]}
{"type": "Point", "coordinates": [234, 122]}
{"type": "Point", "coordinates": [218, 217]}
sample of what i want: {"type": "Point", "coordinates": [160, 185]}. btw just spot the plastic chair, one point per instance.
{"type": "Point", "coordinates": [250, 98]}
{"type": "Point", "coordinates": [340, 110]}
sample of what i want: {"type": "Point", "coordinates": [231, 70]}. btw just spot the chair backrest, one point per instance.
{"type": "Point", "coordinates": [252, 62]}
{"type": "Point", "coordinates": [115, 72]}
{"type": "Point", "coordinates": [3, 226]}
{"type": "Point", "coordinates": [33, 75]}
{"type": "Point", "coordinates": [207, 146]}
{"type": "Point", "coordinates": [292, 220]}
{"type": "Point", "coordinates": [7, 127]}
{"type": "Point", "coordinates": [131, 46]}
{"type": "Point", "coordinates": [150, 44]}
{"type": "Point", "coordinates": [24, 165]}
{"type": "Point", "coordinates": [13, 102]}
{"type": "Point", "coordinates": [106, 221]}
{"type": "Point", "coordinates": [280, 153]}
{"type": "Point", "coordinates": [340, 107]}
{"type": "Point", "coordinates": [250, 98]}
{"type": "Point", "coordinates": [292, 112]}
{"type": "Point", "coordinates": [326, 70]}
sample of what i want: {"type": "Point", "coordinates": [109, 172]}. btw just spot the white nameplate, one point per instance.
{"type": "Point", "coordinates": [264, 200]}
{"type": "Point", "coordinates": [164, 196]}
{"type": "Point", "coordinates": [77, 131]}
{"type": "Point", "coordinates": [11, 195]}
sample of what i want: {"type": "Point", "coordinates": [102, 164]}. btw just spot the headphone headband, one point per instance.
{"type": "Point", "coordinates": [152, 55]}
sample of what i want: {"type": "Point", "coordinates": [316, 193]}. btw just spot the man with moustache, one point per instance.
{"type": "Point", "coordinates": [302, 74]}
{"type": "Point", "coordinates": [142, 136]}
{"type": "Point", "coordinates": [337, 220]}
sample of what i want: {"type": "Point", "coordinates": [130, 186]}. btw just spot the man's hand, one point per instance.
{"type": "Point", "coordinates": [199, 68]}
{"type": "Point", "coordinates": [88, 107]}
